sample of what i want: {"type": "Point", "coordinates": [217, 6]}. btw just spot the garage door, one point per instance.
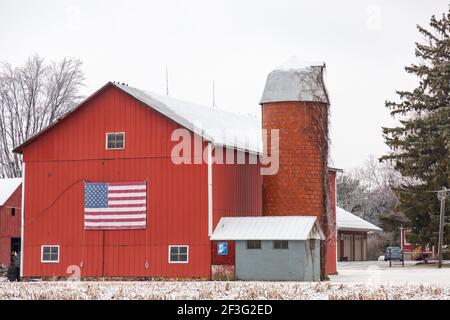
{"type": "Point", "coordinates": [348, 252]}
{"type": "Point", "coordinates": [359, 248]}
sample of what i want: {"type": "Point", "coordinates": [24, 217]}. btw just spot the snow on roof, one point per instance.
{"type": "Point", "coordinates": [295, 63]}
{"type": "Point", "coordinates": [218, 126]}
{"type": "Point", "coordinates": [348, 221]}
{"type": "Point", "coordinates": [296, 80]}
{"type": "Point", "coordinates": [268, 228]}
{"type": "Point", "coordinates": [7, 188]}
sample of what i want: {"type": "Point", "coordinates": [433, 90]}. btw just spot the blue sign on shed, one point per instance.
{"type": "Point", "coordinates": [222, 248]}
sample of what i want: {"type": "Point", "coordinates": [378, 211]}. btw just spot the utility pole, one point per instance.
{"type": "Point", "coordinates": [364, 207]}
{"type": "Point", "coordinates": [442, 196]}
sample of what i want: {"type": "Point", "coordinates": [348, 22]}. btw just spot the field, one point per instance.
{"type": "Point", "coordinates": [216, 290]}
{"type": "Point", "coordinates": [356, 280]}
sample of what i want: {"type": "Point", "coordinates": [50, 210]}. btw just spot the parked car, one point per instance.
{"type": "Point", "coordinates": [393, 253]}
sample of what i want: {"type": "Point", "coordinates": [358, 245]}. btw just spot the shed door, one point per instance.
{"type": "Point", "coordinates": [358, 248]}
{"type": "Point", "coordinates": [348, 252]}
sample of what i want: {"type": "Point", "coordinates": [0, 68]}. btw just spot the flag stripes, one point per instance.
{"type": "Point", "coordinates": [115, 205]}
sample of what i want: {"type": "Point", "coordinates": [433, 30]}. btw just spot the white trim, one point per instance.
{"type": "Point", "coordinates": [178, 245]}
{"type": "Point", "coordinates": [50, 245]}
{"type": "Point", "coordinates": [210, 192]}
{"type": "Point", "coordinates": [22, 220]}
{"type": "Point", "coordinates": [106, 140]}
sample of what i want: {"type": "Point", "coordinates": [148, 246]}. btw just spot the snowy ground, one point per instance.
{"type": "Point", "coordinates": [355, 281]}
{"type": "Point", "coordinates": [379, 273]}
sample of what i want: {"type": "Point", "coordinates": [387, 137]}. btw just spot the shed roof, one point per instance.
{"type": "Point", "coordinates": [268, 228]}
{"type": "Point", "coordinates": [348, 221]}
{"type": "Point", "coordinates": [7, 188]}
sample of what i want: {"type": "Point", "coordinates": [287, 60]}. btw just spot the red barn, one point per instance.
{"type": "Point", "coordinates": [184, 201]}
{"type": "Point", "coordinates": [10, 213]}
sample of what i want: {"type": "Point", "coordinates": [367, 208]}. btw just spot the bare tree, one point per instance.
{"type": "Point", "coordinates": [368, 190]}
{"type": "Point", "coordinates": [33, 96]}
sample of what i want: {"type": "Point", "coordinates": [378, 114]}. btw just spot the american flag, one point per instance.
{"type": "Point", "coordinates": [118, 205]}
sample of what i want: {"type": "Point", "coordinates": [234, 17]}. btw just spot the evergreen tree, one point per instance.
{"type": "Point", "coordinates": [420, 145]}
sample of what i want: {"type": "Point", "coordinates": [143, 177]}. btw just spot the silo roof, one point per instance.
{"type": "Point", "coordinates": [296, 80]}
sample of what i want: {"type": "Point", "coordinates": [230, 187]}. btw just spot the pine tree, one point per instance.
{"type": "Point", "coordinates": [420, 145]}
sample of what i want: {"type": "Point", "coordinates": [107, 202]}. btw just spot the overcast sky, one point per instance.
{"type": "Point", "coordinates": [365, 45]}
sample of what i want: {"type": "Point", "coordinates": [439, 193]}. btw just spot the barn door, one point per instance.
{"type": "Point", "coordinates": [15, 251]}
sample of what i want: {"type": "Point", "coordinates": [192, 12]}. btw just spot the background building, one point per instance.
{"type": "Point", "coordinates": [352, 234]}
{"type": "Point", "coordinates": [10, 213]}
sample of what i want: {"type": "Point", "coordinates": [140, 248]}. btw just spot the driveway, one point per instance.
{"type": "Point", "coordinates": [379, 273]}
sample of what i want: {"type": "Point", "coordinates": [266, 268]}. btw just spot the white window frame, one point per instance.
{"type": "Point", "coordinates": [50, 245]}
{"type": "Point", "coordinates": [106, 140]}
{"type": "Point", "coordinates": [178, 245]}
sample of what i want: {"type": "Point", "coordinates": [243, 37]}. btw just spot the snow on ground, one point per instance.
{"type": "Point", "coordinates": [362, 280]}
{"type": "Point", "coordinates": [379, 272]}
{"type": "Point", "coordinates": [162, 290]}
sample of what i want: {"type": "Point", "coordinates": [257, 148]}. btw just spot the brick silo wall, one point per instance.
{"type": "Point", "coordinates": [298, 187]}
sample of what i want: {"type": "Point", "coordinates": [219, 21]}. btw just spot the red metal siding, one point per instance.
{"type": "Point", "coordinates": [237, 190]}
{"type": "Point", "coordinates": [331, 249]}
{"type": "Point", "coordinates": [73, 151]}
{"type": "Point", "coordinates": [9, 225]}
{"type": "Point", "coordinates": [223, 259]}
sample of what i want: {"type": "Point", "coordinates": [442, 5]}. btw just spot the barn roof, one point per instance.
{"type": "Point", "coordinates": [215, 125]}
{"type": "Point", "coordinates": [7, 188]}
{"type": "Point", "coordinates": [268, 228]}
{"type": "Point", "coordinates": [348, 221]}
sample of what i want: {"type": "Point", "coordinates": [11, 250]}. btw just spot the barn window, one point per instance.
{"type": "Point", "coordinates": [49, 254]}
{"type": "Point", "coordinates": [281, 244]}
{"type": "Point", "coordinates": [178, 254]}
{"type": "Point", "coordinates": [253, 244]}
{"type": "Point", "coordinates": [115, 140]}
{"type": "Point", "coordinates": [13, 211]}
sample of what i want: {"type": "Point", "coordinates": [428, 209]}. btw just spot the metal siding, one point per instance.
{"type": "Point", "coordinates": [74, 150]}
{"type": "Point", "coordinates": [236, 189]}
{"type": "Point", "coordinates": [331, 245]}
{"type": "Point", "coordinates": [228, 259]}
{"type": "Point", "coordinates": [267, 263]}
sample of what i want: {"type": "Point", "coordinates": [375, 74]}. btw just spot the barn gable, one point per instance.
{"type": "Point", "coordinates": [220, 127]}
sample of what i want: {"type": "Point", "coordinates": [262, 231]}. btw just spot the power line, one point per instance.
{"type": "Point", "coordinates": [412, 207]}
